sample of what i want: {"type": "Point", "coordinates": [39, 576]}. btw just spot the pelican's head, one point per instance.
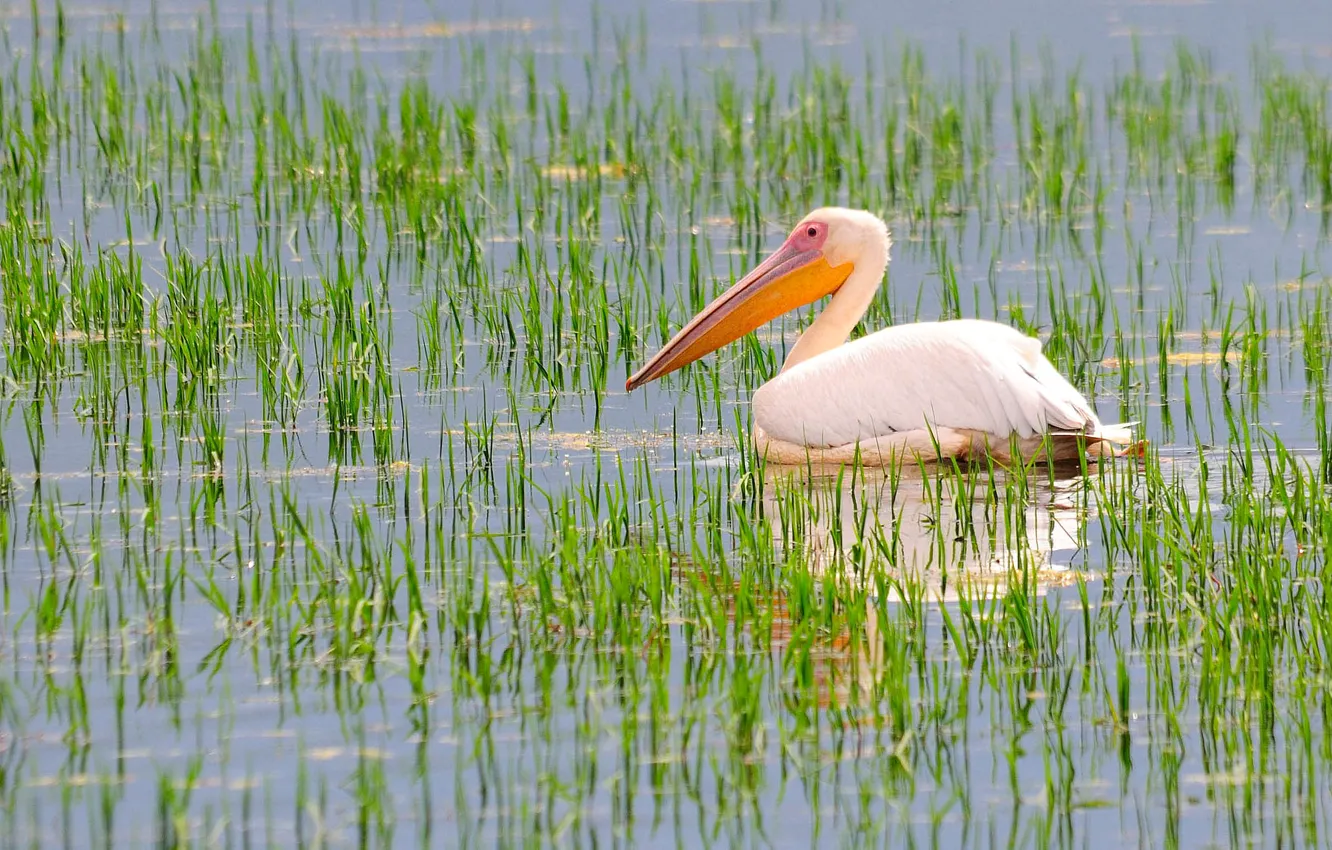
{"type": "Point", "coordinates": [823, 250]}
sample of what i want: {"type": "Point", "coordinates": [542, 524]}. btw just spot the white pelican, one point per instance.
{"type": "Point", "coordinates": [961, 388]}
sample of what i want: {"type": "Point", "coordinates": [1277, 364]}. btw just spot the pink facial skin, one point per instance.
{"type": "Point", "coordinates": [809, 236]}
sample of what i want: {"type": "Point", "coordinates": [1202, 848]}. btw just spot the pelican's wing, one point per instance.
{"type": "Point", "coordinates": [965, 374]}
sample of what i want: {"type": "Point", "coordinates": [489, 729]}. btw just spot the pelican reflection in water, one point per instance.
{"type": "Point", "coordinates": [933, 540]}
{"type": "Point", "coordinates": [935, 532]}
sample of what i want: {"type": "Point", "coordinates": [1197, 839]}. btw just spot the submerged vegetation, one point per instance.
{"type": "Point", "coordinates": [324, 518]}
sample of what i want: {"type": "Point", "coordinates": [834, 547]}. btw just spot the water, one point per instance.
{"type": "Point", "coordinates": [438, 580]}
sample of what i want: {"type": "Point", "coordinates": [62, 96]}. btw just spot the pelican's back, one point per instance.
{"type": "Point", "coordinates": [964, 375]}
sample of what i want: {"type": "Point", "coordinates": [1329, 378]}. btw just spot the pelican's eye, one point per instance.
{"type": "Point", "coordinates": [810, 235]}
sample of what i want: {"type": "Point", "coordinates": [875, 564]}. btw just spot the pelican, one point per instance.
{"type": "Point", "coordinates": [963, 388]}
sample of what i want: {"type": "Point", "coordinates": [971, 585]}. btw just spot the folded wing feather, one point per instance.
{"type": "Point", "coordinates": [964, 374]}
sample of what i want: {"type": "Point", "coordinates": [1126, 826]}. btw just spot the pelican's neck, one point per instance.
{"type": "Point", "coordinates": [834, 325]}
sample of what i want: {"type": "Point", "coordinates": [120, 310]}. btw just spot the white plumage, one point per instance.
{"type": "Point", "coordinates": [971, 374]}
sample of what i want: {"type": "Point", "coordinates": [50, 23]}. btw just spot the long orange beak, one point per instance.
{"type": "Point", "coordinates": [788, 279]}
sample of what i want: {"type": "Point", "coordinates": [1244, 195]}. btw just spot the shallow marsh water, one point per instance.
{"type": "Point", "coordinates": [326, 520]}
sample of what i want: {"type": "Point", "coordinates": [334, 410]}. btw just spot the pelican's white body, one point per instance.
{"type": "Point", "coordinates": [954, 388]}
{"type": "Point", "coordinates": [931, 389]}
